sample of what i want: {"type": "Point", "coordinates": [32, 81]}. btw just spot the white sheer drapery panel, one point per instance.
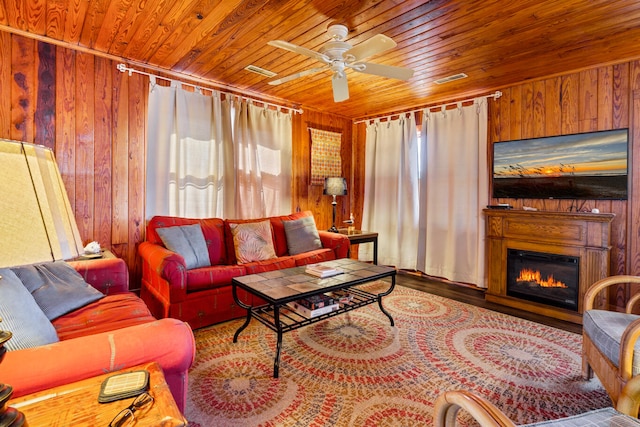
{"type": "Point", "coordinates": [391, 191]}
{"type": "Point", "coordinates": [189, 154]}
{"type": "Point", "coordinates": [262, 142]}
{"type": "Point", "coordinates": [456, 192]}
{"type": "Point", "coordinates": [160, 134]}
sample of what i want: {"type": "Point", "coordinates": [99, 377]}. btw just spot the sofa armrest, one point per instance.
{"type": "Point", "coordinates": [336, 241]}
{"type": "Point", "coordinates": [169, 342]}
{"type": "Point", "coordinates": [109, 275]}
{"type": "Point", "coordinates": [165, 271]}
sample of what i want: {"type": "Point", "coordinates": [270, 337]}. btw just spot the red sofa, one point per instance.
{"type": "Point", "coordinates": [110, 334]}
{"type": "Point", "coordinates": [202, 296]}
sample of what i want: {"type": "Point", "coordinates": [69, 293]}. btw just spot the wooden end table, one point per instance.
{"type": "Point", "coordinates": [359, 236]}
{"type": "Point", "coordinates": [76, 404]}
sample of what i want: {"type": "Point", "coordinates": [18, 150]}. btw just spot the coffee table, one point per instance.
{"type": "Point", "coordinates": [280, 287]}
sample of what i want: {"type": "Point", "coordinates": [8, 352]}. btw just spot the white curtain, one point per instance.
{"type": "Point", "coordinates": [391, 191]}
{"type": "Point", "coordinates": [208, 157]}
{"type": "Point", "coordinates": [262, 146]}
{"type": "Point", "coordinates": [454, 192]}
{"type": "Point", "coordinates": [189, 154]}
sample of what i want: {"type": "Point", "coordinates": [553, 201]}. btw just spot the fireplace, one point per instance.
{"type": "Point", "coordinates": [567, 247]}
{"type": "Point", "coordinates": [543, 277]}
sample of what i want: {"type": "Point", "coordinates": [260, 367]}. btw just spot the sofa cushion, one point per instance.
{"type": "Point", "coordinates": [188, 241]}
{"type": "Point", "coordinates": [270, 265]}
{"type": "Point", "coordinates": [213, 230]}
{"type": "Point", "coordinates": [213, 277]}
{"type": "Point", "coordinates": [314, 257]}
{"type": "Point", "coordinates": [302, 235]}
{"type": "Point", "coordinates": [57, 287]}
{"type": "Point", "coordinates": [108, 314]}
{"type": "Point", "coordinates": [21, 315]}
{"type": "Point", "coordinates": [253, 241]}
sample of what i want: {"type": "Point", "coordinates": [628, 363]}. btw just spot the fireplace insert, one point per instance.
{"type": "Point", "coordinates": [545, 278]}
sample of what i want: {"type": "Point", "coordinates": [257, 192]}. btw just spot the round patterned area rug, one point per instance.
{"type": "Point", "coordinates": [357, 370]}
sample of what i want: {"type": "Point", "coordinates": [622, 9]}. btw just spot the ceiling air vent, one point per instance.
{"type": "Point", "coordinates": [260, 71]}
{"type": "Point", "coordinates": [451, 78]}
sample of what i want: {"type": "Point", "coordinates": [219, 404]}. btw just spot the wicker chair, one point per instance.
{"type": "Point", "coordinates": [486, 414]}
{"type": "Point", "coordinates": [610, 346]}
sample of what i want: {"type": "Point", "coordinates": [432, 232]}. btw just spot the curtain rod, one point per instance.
{"type": "Point", "coordinates": [123, 68]}
{"type": "Point", "coordinates": [495, 95]}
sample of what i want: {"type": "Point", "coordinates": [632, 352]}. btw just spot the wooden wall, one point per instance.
{"type": "Point", "coordinates": [94, 118]}
{"type": "Point", "coordinates": [597, 99]}
{"type": "Point", "coordinates": [310, 197]}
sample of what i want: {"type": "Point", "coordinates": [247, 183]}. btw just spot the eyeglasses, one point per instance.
{"type": "Point", "coordinates": [126, 417]}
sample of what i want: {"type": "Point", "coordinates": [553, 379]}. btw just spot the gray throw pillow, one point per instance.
{"type": "Point", "coordinates": [188, 241]}
{"type": "Point", "coordinates": [57, 287]}
{"type": "Point", "coordinates": [302, 235]}
{"type": "Point", "coordinates": [21, 315]}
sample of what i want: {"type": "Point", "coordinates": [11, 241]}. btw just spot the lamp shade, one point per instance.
{"type": "Point", "coordinates": [335, 186]}
{"type": "Point", "coordinates": [37, 221]}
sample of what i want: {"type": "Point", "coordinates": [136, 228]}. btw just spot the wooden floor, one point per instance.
{"type": "Point", "coordinates": [475, 296]}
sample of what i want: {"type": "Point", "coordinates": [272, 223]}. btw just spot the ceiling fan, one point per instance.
{"type": "Point", "coordinates": [338, 56]}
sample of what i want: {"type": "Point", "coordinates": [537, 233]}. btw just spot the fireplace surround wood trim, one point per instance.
{"type": "Point", "coordinates": [583, 235]}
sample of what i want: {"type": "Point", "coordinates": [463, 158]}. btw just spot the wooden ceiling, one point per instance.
{"type": "Point", "coordinates": [496, 43]}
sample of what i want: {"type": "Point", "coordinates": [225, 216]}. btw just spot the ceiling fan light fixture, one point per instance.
{"type": "Point", "coordinates": [337, 32]}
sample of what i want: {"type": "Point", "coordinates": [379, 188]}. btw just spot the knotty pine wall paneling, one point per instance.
{"type": "Point", "coordinates": [94, 118]}
{"type": "Point", "coordinates": [310, 197]}
{"type": "Point", "coordinates": [591, 100]}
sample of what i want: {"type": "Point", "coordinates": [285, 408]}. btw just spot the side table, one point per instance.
{"type": "Point", "coordinates": [358, 236]}
{"type": "Point", "coordinates": [104, 253]}
{"type": "Point", "coordinates": [76, 404]}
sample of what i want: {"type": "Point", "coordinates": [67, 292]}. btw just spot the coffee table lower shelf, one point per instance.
{"type": "Point", "coordinates": [291, 320]}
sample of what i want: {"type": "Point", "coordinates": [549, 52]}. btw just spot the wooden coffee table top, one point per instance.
{"type": "Point", "coordinates": [76, 404]}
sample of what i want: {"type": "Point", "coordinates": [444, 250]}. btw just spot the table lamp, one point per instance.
{"type": "Point", "coordinates": [37, 224]}
{"type": "Point", "coordinates": [8, 416]}
{"type": "Point", "coordinates": [335, 186]}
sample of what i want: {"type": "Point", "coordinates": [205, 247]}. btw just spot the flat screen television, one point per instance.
{"type": "Point", "coordinates": [580, 166]}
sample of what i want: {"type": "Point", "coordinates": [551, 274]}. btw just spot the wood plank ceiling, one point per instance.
{"type": "Point", "coordinates": [496, 43]}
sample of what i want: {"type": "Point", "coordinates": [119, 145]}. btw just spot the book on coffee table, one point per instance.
{"type": "Point", "coordinates": [322, 271]}
{"type": "Point", "coordinates": [316, 301]}
{"type": "Point", "coordinates": [307, 312]}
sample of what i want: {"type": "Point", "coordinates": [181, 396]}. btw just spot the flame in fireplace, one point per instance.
{"type": "Point", "coordinates": [531, 276]}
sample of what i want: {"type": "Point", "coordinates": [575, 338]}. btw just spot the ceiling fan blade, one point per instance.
{"type": "Point", "coordinates": [295, 76]}
{"type": "Point", "coordinates": [390, 71]}
{"type": "Point", "coordinates": [340, 87]}
{"type": "Point", "coordinates": [376, 44]}
{"type": "Point", "coordinates": [300, 50]}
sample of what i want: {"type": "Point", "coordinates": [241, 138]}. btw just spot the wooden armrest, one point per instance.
{"type": "Point", "coordinates": [627, 343]}
{"type": "Point", "coordinates": [594, 289]}
{"type": "Point", "coordinates": [629, 399]}
{"type": "Point", "coordinates": [484, 412]}
{"type": "Point", "coordinates": [632, 301]}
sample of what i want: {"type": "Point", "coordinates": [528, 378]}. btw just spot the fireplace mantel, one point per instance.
{"type": "Point", "coordinates": [583, 235]}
